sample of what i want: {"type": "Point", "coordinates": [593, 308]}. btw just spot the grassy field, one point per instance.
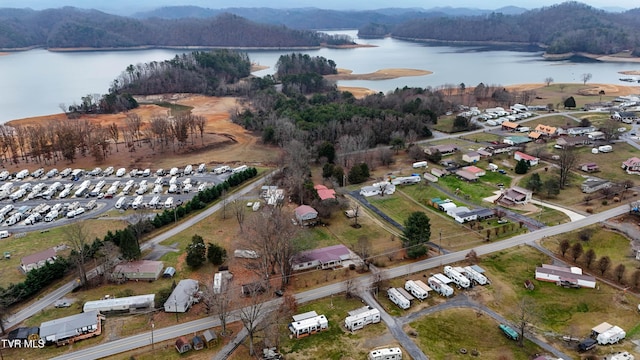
{"type": "Point", "coordinates": [604, 242]}
{"type": "Point", "coordinates": [478, 190]}
{"type": "Point", "coordinates": [35, 241]}
{"type": "Point", "coordinates": [441, 337]}
{"type": "Point", "coordinates": [556, 311]}
{"type": "Point", "coordinates": [336, 342]}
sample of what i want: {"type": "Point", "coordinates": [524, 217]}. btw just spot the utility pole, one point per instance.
{"type": "Point", "coordinates": [153, 325]}
{"type": "Point", "coordinates": [440, 247]}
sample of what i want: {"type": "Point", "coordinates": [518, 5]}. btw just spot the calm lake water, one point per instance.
{"type": "Point", "coordinates": [36, 82]}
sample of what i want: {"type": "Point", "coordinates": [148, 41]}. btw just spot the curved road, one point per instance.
{"type": "Point", "coordinates": [363, 282]}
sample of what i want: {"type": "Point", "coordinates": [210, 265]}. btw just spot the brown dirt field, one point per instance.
{"type": "Point", "coordinates": [382, 74]}
{"type": "Point", "coordinates": [224, 142]}
{"type": "Point", "coordinates": [590, 89]}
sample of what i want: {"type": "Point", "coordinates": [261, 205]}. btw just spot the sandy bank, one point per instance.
{"type": "Point", "coordinates": [358, 92]}
{"type": "Point", "coordinates": [382, 74]}
{"type": "Point", "coordinates": [629, 72]}
{"type": "Point", "coordinates": [588, 89]}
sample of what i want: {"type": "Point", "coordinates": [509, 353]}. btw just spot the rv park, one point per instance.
{"type": "Point", "coordinates": [357, 294]}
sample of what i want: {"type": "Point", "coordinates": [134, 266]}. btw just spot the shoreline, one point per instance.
{"type": "Point", "coordinates": [382, 74]}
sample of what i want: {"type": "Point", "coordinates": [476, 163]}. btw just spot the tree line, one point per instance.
{"type": "Point", "coordinates": [77, 28]}
{"type": "Point", "coordinates": [562, 28]}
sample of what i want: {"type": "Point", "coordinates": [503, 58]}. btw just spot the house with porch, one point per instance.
{"type": "Point", "coordinates": [571, 141]}
{"type": "Point", "coordinates": [306, 215]}
{"type": "Point", "coordinates": [632, 165]}
{"type": "Point", "coordinates": [575, 130]}
{"type": "Point", "coordinates": [476, 171]}
{"type": "Point", "coordinates": [592, 185]}
{"type": "Point", "coordinates": [546, 130]}
{"type": "Point", "coordinates": [445, 149]}
{"type": "Point", "coordinates": [515, 196]}
{"type": "Point", "coordinates": [323, 258]}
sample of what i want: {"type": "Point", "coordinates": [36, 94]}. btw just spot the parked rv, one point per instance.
{"type": "Point", "coordinates": [146, 172]}
{"type": "Point", "coordinates": [457, 277]}
{"type": "Point", "coordinates": [51, 173]}
{"type": "Point", "coordinates": [240, 168]}
{"type": "Point", "coordinates": [37, 173]}
{"type": "Point", "coordinates": [415, 290]}
{"type": "Point", "coordinates": [4, 175]}
{"type": "Point", "coordinates": [169, 202]}
{"type": "Point", "coordinates": [137, 202]}
{"type": "Point", "coordinates": [439, 286]}
{"type": "Point", "coordinates": [385, 354]}
{"type": "Point", "coordinates": [398, 299]}
{"type": "Point", "coordinates": [202, 168]}
{"type": "Point", "coordinates": [120, 202]}
{"type": "Point", "coordinates": [472, 274]}
{"type": "Point", "coordinates": [359, 318]}
{"type": "Point", "coordinates": [121, 172]}
{"type": "Point", "coordinates": [188, 170]}
{"type": "Point", "coordinates": [51, 216]}
{"type": "Point", "coordinates": [221, 169]}
{"type": "Point", "coordinates": [154, 202]}
{"type": "Point", "coordinates": [108, 171]}
{"type": "Point", "coordinates": [22, 174]}
{"type": "Point", "coordinates": [66, 172]}
{"type": "Point", "coordinates": [173, 171]}
{"type": "Point", "coordinates": [420, 164]}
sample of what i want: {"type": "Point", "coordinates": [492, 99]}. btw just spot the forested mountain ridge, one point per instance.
{"type": "Point", "coordinates": [77, 28]}
{"type": "Point", "coordinates": [564, 28]}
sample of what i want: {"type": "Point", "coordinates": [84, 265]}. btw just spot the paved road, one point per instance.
{"type": "Point", "coordinates": [363, 282]}
{"type": "Point", "coordinates": [51, 297]}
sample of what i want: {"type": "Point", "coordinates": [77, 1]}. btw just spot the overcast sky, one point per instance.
{"type": "Point", "coordinates": [132, 6]}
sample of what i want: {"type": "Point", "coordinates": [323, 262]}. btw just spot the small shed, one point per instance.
{"type": "Point", "coordinates": [183, 345]}
{"type": "Point", "coordinates": [198, 344]}
{"type": "Point", "coordinates": [169, 272]}
{"type": "Point", "coordinates": [210, 337]}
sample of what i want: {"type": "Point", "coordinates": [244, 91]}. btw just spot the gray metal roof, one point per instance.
{"type": "Point", "coordinates": [68, 326]}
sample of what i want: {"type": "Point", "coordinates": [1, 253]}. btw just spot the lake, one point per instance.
{"type": "Point", "coordinates": [36, 82]}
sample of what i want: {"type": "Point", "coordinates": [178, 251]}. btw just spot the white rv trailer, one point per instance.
{"type": "Point", "coordinates": [240, 168]}
{"type": "Point", "coordinates": [154, 202]}
{"type": "Point", "coordinates": [188, 170]}
{"type": "Point", "coordinates": [475, 276]}
{"type": "Point", "coordinates": [611, 336]}
{"type": "Point", "coordinates": [416, 290]}
{"type": "Point", "coordinates": [22, 174]}
{"type": "Point", "coordinates": [457, 278]}
{"type": "Point", "coordinates": [120, 202]}
{"type": "Point", "coordinates": [439, 286]}
{"type": "Point", "coordinates": [420, 164]}
{"type": "Point", "coordinates": [221, 169]}
{"type": "Point", "coordinates": [386, 354]}
{"type": "Point", "coordinates": [137, 203]}
{"type": "Point", "coordinates": [202, 168]}
{"type": "Point", "coordinates": [358, 318]}
{"type": "Point", "coordinates": [397, 298]}
{"type": "Point", "coordinates": [306, 324]}
{"type": "Point", "coordinates": [169, 202]}
{"type": "Point", "coordinates": [121, 172]}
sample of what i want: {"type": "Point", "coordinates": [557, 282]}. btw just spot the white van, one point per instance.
{"type": "Point", "coordinates": [4, 234]}
{"type": "Point", "coordinates": [168, 203]}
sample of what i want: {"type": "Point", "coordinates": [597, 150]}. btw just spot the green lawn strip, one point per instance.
{"type": "Point", "coordinates": [473, 191]}
{"type": "Point", "coordinates": [441, 336]}
{"type": "Point", "coordinates": [336, 342]}
{"type": "Point", "coordinates": [483, 137]}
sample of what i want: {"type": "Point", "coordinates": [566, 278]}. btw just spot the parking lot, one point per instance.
{"type": "Point", "coordinates": [46, 198]}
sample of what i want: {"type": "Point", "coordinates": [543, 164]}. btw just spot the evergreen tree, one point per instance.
{"type": "Point", "coordinates": [359, 173]}
{"type": "Point", "coordinates": [216, 254]}
{"type": "Point", "coordinates": [196, 252]}
{"type": "Point", "coordinates": [522, 167]}
{"type": "Point", "coordinates": [534, 183]}
{"type": "Point", "coordinates": [417, 232]}
{"type": "Point", "coordinates": [570, 102]}
{"type": "Point", "coordinates": [328, 151]}
{"type": "Point", "coordinates": [129, 245]}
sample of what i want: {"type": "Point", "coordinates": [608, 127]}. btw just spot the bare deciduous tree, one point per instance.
{"type": "Point", "coordinates": [252, 315]}
{"type": "Point", "coordinates": [566, 162]}
{"type": "Point", "coordinates": [239, 210]}
{"type": "Point", "coordinates": [525, 315]}
{"type": "Point", "coordinates": [78, 237]}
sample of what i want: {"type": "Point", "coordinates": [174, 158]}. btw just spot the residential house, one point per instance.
{"type": "Point", "coordinates": [515, 196]}
{"type": "Point", "coordinates": [510, 125]}
{"type": "Point", "coordinates": [379, 188]}
{"type": "Point", "coordinates": [37, 260]}
{"type": "Point", "coordinates": [589, 167]}
{"type": "Point", "coordinates": [546, 130]}
{"type": "Point", "coordinates": [182, 345]}
{"type": "Point", "coordinates": [627, 117]}
{"type": "Point", "coordinates": [534, 135]}
{"type": "Point", "coordinates": [632, 165]}
{"type": "Point", "coordinates": [438, 172]}
{"type": "Point", "coordinates": [466, 175]}
{"type": "Point", "coordinates": [183, 296]}
{"type": "Point", "coordinates": [462, 214]}
{"type": "Point", "coordinates": [499, 148]}
{"type": "Point", "coordinates": [592, 185]}
{"type": "Point", "coordinates": [533, 161]}
{"type": "Point", "coordinates": [471, 157]}
{"type": "Point", "coordinates": [571, 141]}
{"type": "Point", "coordinates": [445, 149]}
{"type": "Point", "coordinates": [483, 153]}
{"type": "Point", "coordinates": [146, 270]}
{"type": "Point", "coordinates": [306, 215]}
{"type": "Point", "coordinates": [564, 275]}
{"type": "Point", "coordinates": [71, 328]}
{"type": "Point", "coordinates": [576, 130]}
{"type": "Point", "coordinates": [516, 140]}
{"type": "Point", "coordinates": [475, 170]}
{"type": "Point", "coordinates": [323, 258]}
{"type": "Point", "coordinates": [325, 193]}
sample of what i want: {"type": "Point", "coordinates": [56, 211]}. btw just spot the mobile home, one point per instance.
{"type": "Point", "coordinates": [611, 336]}
{"type": "Point", "coordinates": [358, 318]}
{"type": "Point", "coordinates": [120, 202]}
{"type": "Point", "coordinates": [397, 298]}
{"type": "Point", "coordinates": [420, 164]}
{"type": "Point", "coordinates": [416, 290]}
{"type": "Point", "coordinates": [457, 277]}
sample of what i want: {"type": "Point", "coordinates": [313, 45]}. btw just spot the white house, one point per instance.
{"type": "Point", "coordinates": [182, 297]}
{"type": "Point", "coordinates": [471, 157]}
{"type": "Point", "coordinates": [533, 161]}
{"type": "Point", "coordinates": [515, 196]}
{"type": "Point", "coordinates": [72, 327]}
{"type": "Point", "coordinates": [565, 275]}
{"type": "Point", "coordinates": [379, 188]}
{"type": "Point", "coordinates": [120, 304]}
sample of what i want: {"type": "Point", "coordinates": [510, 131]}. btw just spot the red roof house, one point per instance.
{"type": "Point", "coordinates": [325, 193]}
{"type": "Point", "coordinates": [533, 161]}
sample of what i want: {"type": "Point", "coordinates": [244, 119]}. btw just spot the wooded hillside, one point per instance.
{"type": "Point", "coordinates": [563, 28]}
{"type": "Point", "coordinates": [76, 28]}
